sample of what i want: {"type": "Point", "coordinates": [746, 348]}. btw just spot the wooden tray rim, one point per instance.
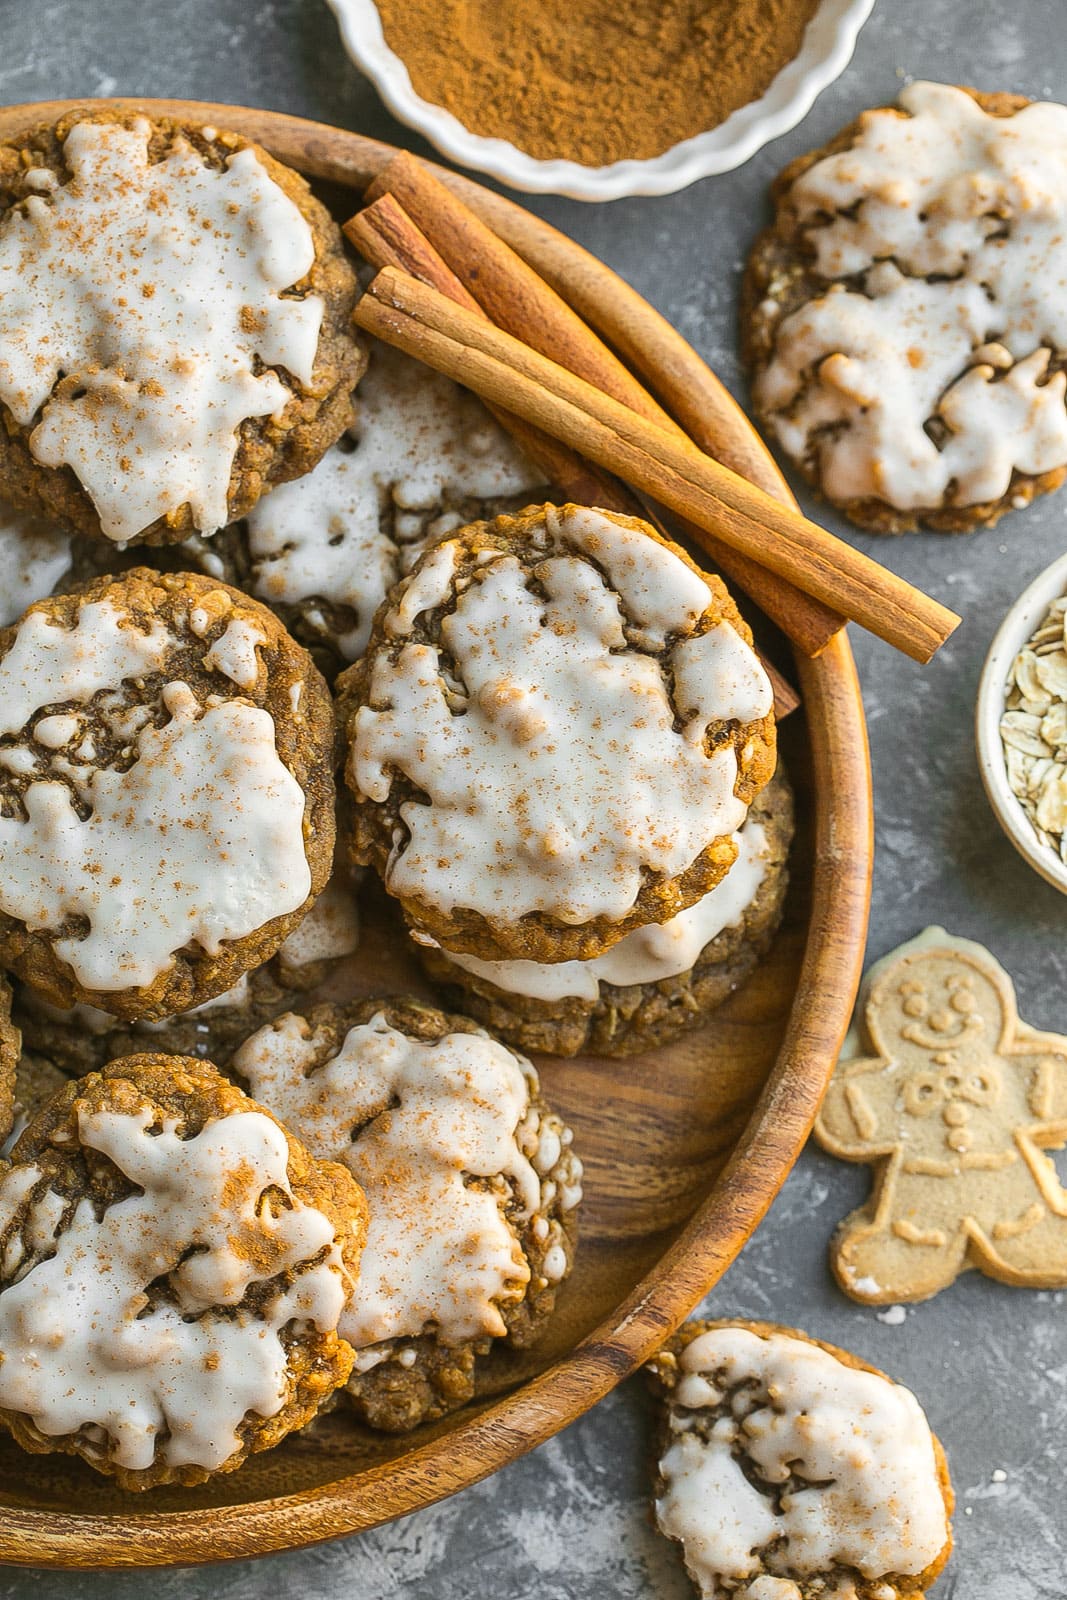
{"type": "Point", "coordinates": [828, 980]}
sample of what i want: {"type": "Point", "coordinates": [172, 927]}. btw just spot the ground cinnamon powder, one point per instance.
{"type": "Point", "coordinates": [593, 80]}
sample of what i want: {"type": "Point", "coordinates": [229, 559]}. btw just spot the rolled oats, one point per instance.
{"type": "Point", "coordinates": [1033, 728]}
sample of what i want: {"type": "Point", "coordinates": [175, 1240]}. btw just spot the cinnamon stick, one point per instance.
{"type": "Point", "coordinates": [416, 318]}
{"type": "Point", "coordinates": [385, 235]}
{"type": "Point", "coordinates": [518, 300]}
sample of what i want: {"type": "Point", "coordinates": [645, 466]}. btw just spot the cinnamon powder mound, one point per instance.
{"type": "Point", "coordinates": [594, 81]}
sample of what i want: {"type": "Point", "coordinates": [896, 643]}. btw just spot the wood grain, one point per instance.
{"type": "Point", "coordinates": [686, 1148]}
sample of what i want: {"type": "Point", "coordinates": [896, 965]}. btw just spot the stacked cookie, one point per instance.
{"type": "Point", "coordinates": [189, 1274]}
{"type": "Point", "coordinates": [560, 742]}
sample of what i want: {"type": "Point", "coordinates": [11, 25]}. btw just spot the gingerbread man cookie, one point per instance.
{"type": "Point", "coordinates": [956, 1100]}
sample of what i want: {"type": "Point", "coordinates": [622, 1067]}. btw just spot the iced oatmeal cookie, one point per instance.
{"type": "Point", "coordinates": [174, 1267]}
{"type": "Point", "coordinates": [174, 325]}
{"type": "Point", "coordinates": [905, 316]}
{"type": "Point", "coordinates": [166, 792]}
{"type": "Point", "coordinates": [790, 1470]}
{"type": "Point", "coordinates": [82, 1038]}
{"type": "Point", "coordinates": [657, 982]}
{"type": "Point", "coordinates": [555, 733]}
{"type": "Point", "coordinates": [471, 1181]}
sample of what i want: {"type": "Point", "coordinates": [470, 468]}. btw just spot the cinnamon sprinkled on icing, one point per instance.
{"type": "Point", "coordinates": [200, 839]}
{"type": "Point", "coordinates": [561, 758]}
{"type": "Point", "coordinates": [136, 1323]}
{"type": "Point", "coordinates": [452, 1157]}
{"type": "Point", "coordinates": [140, 314]}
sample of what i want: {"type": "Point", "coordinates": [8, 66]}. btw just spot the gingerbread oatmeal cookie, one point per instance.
{"type": "Point", "coordinates": [657, 982]}
{"type": "Point", "coordinates": [192, 300]}
{"type": "Point", "coordinates": [904, 318]}
{"type": "Point", "coordinates": [174, 1267]}
{"type": "Point", "coordinates": [471, 1181]}
{"type": "Point", "coordinates": [166, 792]}
{"type": "Point", "coordinates": [791, 1470]}
{"type": "Point", "coordinates": [557, 728]}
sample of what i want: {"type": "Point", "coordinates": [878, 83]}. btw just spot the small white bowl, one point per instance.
{"type": "Point", "coordinates": [828, 44]}
{"type": "Point", "coordinates": [1021, 621]}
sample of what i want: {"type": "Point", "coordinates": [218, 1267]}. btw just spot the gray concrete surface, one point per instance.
{"type": "Point", "coordinates": [990, 1364]}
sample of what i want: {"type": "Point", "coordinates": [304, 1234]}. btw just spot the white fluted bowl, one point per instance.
{"type": "Point", "coordinates": [1019, 623]}
{"type": "Point", "coordinates": [829, 41]}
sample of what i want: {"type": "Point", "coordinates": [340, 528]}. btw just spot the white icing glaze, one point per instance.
{"type": "Point", "coordinates": [34, 555]}
{"type": "Point", "coordinates": [555, 773]}
{"type": "Point", "coordinates": [438, 1252]}
{"type": "Point", "coordinates": [151, 289]}
{"type": "Point", "coordinates": [646, 955]}
{"type": "Point", "coordinates": [331, 928]}
{"type": "Point", "coordinates": [200, 840]}
{"type": "Point", "coordinates": [980, 203]}
{"type": "Point", "coordinates": [55, 732]}
{"type": "Point", "coordinates": [421, 440]}
{"type": "Point", "coordinates": [49, 663]}
{"type": "Point", "coordinates": [870, 1499]}
{"type": "Point", "coordinates": [85, 1346]}
{"type": "Point", "coordinates": [234, 652]}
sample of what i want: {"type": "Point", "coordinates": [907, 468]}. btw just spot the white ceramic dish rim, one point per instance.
{"type": "Point", "coordinates": [1020, 620]}
{"type": "Point", "coordinates": [827, 49]}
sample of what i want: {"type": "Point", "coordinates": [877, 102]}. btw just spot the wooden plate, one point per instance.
{"type": "Point", "coordinates": [684, 1149]}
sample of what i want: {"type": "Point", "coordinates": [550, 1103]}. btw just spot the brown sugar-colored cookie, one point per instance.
{"type": "Point", "coordinates": [789, 1469]}
{"type": "Point", "coordinates": [955, 1101]}
{"type": "Point", "coordinates": [192, 299]}
{"type": "Point", "coordinates": [901, 323]}
{"type": "Point", "coordinates": [174, 1266]}
{"type": "Point", "coordinates": [658, 982]}
{"type": "Point", "coordinates": [555, 732]}
{"type": "Point", "coordinates": [166, 784]}
{"type": "Point", "coordinates": [471, 1181]}
{"type": "Point", "coordinates": [82, 1038]}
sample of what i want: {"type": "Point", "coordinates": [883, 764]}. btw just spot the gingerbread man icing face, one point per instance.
{"type": "Point", "coordinates": [957, 1102]}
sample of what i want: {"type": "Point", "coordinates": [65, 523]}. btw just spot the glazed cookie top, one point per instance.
{"type": "Point", "coordinates": [344, 532]}
{"type": "Point", "coordinates": [783, 1465]}
{"type": "Point", "coordinates": [35, 554]}
{"type": "Point", "coordinates": [568, 697]}
{"type": "Point", "coordinates": [159, 1257]}
{"type": "Point", "coordinates": [922, 373]}
{"type": "Point", "coordinates": [145, 307]}
{"type": "Point", "coordinates": [650, 954]}
{"type": "Point", "coordinates": [436, 1121]}
{"type": "Point", "coordinates": [165, 755]}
